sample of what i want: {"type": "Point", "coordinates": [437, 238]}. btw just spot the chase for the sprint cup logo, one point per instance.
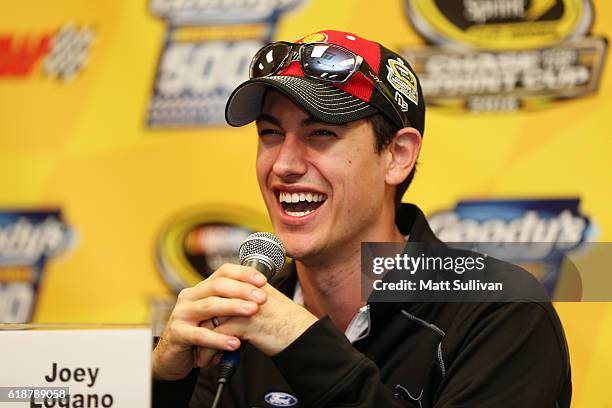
{"type": "Point", "coordinates": [28, 239]}
{"type": "Point", "coordinates": [505, 55]}
{"type": "Point", "coordinates": [543, 231]}
{"type": "Point", "coordinates": [206, 53]}
{"type": "Point", "coordinates": [404, 83]}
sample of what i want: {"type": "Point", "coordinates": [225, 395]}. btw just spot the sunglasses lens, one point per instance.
{"type": "Point", "coordinates": [268, 59]}
{"type": "Point", "coordinates": [326, 62]}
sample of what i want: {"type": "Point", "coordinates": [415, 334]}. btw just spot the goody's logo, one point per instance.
{"type": "Point", "coordinates": [280, 399]}
{"type": "Point", "coordinates": [28, 239]}
{"type": "Point", "coordinates": [537, 233]}
{"type": "Point", "coordinates": [505, 55]}
{"type": "Point", "coordinates": [207, 50]}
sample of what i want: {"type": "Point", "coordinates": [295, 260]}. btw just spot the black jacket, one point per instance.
{"type": "Point", "coordinates": [415, 355]}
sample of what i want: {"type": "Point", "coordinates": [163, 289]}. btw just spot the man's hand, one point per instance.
{"type": "Point", "coordinates": [232, 290]}
{"type": "Point", "coordinates": [275, 326]}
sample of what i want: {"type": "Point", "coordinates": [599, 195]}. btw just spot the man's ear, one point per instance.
{"type": "Point", "coordinates": [403, 152]}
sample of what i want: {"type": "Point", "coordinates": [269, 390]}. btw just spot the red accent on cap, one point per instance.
{"type": "Point", "coordinates": [358, 85]}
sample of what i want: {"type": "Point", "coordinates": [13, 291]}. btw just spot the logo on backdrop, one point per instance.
{"type": "Point", "coordinates": [196, 242]}
{"type": "Point", "coordinates": [505, 55]}
{"type": "Point", "coordinates": [554, 227]}
{"type": "Point", "coordinates": [206, 53]}
{"type": "Point", "coordinates": [61, 54]}
{"type": "Point", "coordinates": [28, 239]}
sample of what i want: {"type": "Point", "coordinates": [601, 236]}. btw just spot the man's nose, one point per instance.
{"type": "Point", "coordinates": [291, 162]}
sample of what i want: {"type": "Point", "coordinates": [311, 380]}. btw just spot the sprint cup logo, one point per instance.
{"type": "Point", "coordinates": [206, 54]}
{"type": "Point", "coordinates": [504, 55]}
{"type": "Point", "coordinates": [534, 233]}
{"type": "Point", "coordinates": [27, 240]}
{"type": "Point", "coordinates": [61, 54]}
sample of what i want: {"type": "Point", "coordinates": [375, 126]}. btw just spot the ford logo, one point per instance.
{"type": "Point", "coordinates": [280, 399]}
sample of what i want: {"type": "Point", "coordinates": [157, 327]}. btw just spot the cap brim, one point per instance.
{"type": "Point", "coordinates": [324, 102]}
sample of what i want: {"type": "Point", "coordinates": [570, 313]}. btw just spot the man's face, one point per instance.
{"type": "Point", "coordinates": [323, 185]}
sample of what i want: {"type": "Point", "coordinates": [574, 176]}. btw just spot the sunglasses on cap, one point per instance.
{"type": "Point", "coordinates": [320, 61]}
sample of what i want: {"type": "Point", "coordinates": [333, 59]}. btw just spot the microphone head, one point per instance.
{"type": "Point", "coordinates": [262, 245]}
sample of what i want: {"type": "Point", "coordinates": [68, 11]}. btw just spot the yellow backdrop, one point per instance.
{"type": "Point", "coordinates": [81, 139]}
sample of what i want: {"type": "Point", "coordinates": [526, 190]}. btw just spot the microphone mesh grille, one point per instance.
{"type": "Point", "coordinates": [264, 243]}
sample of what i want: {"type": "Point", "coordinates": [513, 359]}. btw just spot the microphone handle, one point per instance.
{"type": "Point", "coordinates": [260, 266]}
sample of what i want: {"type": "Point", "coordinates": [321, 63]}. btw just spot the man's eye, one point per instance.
{"type": "Point", "coordinates": [266, 132]}
{"type": "Point", "coordinates": [322, 132]}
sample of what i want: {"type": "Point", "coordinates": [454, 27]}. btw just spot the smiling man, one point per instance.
{"type": "Point", "coordinates": [340, 121]}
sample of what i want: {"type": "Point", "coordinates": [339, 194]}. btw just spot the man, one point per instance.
{"type": "Point", "coordinates": [340, 122]}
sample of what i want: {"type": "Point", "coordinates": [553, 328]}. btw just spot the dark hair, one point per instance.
{"type": "Point", "coordinates": [384, 131]}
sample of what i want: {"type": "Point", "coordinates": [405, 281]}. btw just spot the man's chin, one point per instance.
{"type": "Point", "coordinates": [297, 245]}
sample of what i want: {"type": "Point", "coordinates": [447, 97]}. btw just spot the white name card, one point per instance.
{"type": "Point", "coordinates": [101, 366]}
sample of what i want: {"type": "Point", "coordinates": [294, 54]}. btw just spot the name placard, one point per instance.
{"type": "Point", "coordinates": [74, 366]}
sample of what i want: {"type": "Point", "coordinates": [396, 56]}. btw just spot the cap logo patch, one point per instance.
{"type": "Point", "coordinates": [402, 80]}
{"type": "Point", "coordinates": [314, 37]}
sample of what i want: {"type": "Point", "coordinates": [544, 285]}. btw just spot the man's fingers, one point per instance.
{"type": "Point", "coordinates": [199, 336]}
{"type": "Point", "coordinates": [224, 287]}
{"type": "Point", "coordinates": [214, 306]}
{"type": "Point", "coordinates": [231, 291]}
{"type": "Point", "coordinates": [241, 273]}
{"type": "Point", "coordinates": [234, 326]}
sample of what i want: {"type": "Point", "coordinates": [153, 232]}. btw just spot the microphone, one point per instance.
{"type": "Point", "coordinates": [264, 252]}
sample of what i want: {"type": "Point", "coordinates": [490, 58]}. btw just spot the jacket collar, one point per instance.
{"type": "Point", "coordinates": [411, 220]}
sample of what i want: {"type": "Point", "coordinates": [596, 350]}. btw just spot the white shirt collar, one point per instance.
{"type": "Point", "coordinates": [358, 328]}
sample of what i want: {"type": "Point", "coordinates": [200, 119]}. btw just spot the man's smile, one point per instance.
{"type": "Point", "coordinates": [298, 203]}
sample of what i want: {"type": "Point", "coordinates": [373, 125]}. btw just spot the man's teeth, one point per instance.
{"type": "Point", "coordinates": [297, 197]}
{"type": "Point", "coordinates": [298, 213]}
{"type": "Point", "coordinates": [293, 198]}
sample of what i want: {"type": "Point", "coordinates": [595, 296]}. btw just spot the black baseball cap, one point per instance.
{"type": "Point", "coordinates": [355, 99]}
